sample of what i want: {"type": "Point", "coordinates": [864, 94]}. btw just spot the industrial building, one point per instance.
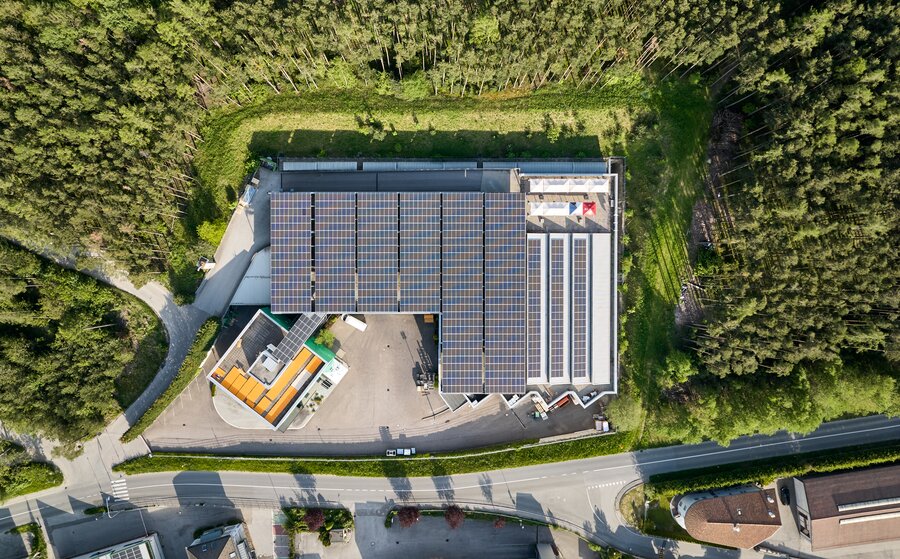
{"type": "Point", "coordinates": [517, 259]}
{"type": "Point", "coordinates": [849, 509]}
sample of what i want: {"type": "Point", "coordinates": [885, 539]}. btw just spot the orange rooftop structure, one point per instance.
{"type": "Point", "coordinates": [258, 373]}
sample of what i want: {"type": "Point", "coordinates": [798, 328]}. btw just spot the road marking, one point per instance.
{"type": "Point", "coordinates": [120, 489]}
{"type": "Point", "coordinates": [610, 484]}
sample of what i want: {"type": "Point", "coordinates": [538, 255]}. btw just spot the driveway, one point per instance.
{"type": "Point", "coordinates": [377, 406]}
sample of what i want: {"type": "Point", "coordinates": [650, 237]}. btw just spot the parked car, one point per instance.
{"type": "Point", "coordinates": [785, 495]}
{"type": "Point", "coordinates": [390, 453]}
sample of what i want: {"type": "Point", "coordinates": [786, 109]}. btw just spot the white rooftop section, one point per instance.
{"type": "Point", "coordinates": [255, 290]}
{"type": "Point", "coordinates": [570, 185]}
{"type": "Point", "coordinates": [553, 168]}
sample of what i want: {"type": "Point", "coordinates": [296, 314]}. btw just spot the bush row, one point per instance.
{"type": "Point", "coordinates": [29, 478]}
{"type": "Point", "coordinates": [439, 465]}
{"type": "Point", "coordinates": [189, 368]}
{"type": "Point", "coordinates": [767, 470]}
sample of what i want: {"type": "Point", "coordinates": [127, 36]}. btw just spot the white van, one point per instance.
{"type": "Point", "coordinates": [355, 322]}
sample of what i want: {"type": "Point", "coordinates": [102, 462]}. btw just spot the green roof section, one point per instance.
{"type": "Point", "coordinates": [277, 318]}
{"type": "Point", "coordinates": [323, 352]}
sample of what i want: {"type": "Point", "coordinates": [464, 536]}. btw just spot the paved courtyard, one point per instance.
{"type": "Point", "coordinates": [376, 406]}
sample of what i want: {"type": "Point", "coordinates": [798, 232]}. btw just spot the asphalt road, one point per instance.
{"type": "Point", "coordinates": [580, 495]}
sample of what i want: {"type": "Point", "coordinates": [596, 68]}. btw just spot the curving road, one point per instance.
{"type": "Point", "coordinates": [580, 495]}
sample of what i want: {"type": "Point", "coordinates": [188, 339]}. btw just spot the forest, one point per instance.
{"type": "Point", "coordinates": [111, 110]}
{"type": "Point", "coordinates": [74, 353]}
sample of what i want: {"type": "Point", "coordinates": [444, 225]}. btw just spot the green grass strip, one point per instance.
{"type": "Point", "coordinates": [29, 477]}
{"type": "Point", "coordinates": [188, 371]}
{"type": "Point", "coordinates": [767, 470]}
{"type": "Point", "coordinates": [424, 466]}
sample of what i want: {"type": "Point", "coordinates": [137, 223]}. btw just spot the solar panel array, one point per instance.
{"type": "Point", "coordinates": [335, 229]}
{"type": "Point", "coordinates": [301, 331]}
{"type": "Point", "coordinates": [580, 315]}
{"type": "Point", "coordinates": [558, 307]}
{"type": "Point", "coordinates": [535, 353]}
{"type": "Point", "coordinates": [376, 246]}
{"type": "Point", "coordinates": [290, 250]}
{"type": "Point", "coordinates": [420, 252]}
{"type": "Point", "coordinates": [462, 262]}
{"type": "Point", "coordinates": [505, 324]}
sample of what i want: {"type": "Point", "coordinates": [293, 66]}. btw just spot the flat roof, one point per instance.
{"type": "Point", "coordinates": [258, 381]}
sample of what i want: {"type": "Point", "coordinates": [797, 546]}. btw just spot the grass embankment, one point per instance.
{"type": "Point", "coordinates": [767, 470]}
{"type": "Point", "coordinates": [188, 371]}
{"type": "Point", "coordinates": [424, 466]}
{"type": "Point", "coordinates": [655, 521]}
{"type": "Point", "coordinates": [665, 176]}
{"type": "Point", "coordinates": [19, 475]}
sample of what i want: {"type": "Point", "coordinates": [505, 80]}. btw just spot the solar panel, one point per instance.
{"type": "Point", "coordinates": [301, 331]}
{"type": "Point", "coordinates": [335, 238]}
{"type": "Point", "coordinates": [290, 252]}
{"type": "Point", "coordinates": [376, 246]}
{"type": "Point", "coordinates": [558, 308]}
{"type": "Point", "coordinates": [505, 324]}
{"type": "Point", "coordinates": [537, 370]}
{"type": "Point", "coordinates": [420, 252]}
{"type": "Point", "coordinates": [580, 315]}
{"type": "Point", "coordinates": [462, 323]}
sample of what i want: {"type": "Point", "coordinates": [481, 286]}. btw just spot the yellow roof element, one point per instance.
{"type": "Point", "coordinates": [289, 374]}
{"type": "Point", "coordinates": [282, 403]}
{"type": "Point", "coordinates": [256, 393]}
{"type": "Point", "coordinates": [239, 383]}
{"type": "Point", "coordinates": [314, 364]}
{"type": "Point", "coordinates": [219, 374]}
{"type": "Point", "coordinates": [230, 379]}
{"type": "Point", "coordinates": [262, 406]}
{"type": "Point", "coordinates": [247, 388]}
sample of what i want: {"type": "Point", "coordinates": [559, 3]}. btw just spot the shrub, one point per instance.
{"type": "Point", "coordinates": [499, 523]}
{"type": "Point", "coordinates": [454, 516]}
{"type": "Point", "coordinates": [189, 369]}
{"type": "Point", "coordinates": [408, 516]}
{"type": "Point", "coordinates": [314, 519]}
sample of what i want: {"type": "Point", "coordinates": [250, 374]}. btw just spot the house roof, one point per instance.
{"type": "Point", "coordinates": [219, 548]}
{"type": "Point", "coordinates": [740, 520]}
{"type": "Point", "coordinates": [853, 508]}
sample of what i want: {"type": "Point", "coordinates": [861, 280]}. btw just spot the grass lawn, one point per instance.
{"type": "Point", "coordinates": [658, 520]}
{"type": "Point", "coordinates": [148, 338]}
{"type": "Point", "coordinates": [19, 475]}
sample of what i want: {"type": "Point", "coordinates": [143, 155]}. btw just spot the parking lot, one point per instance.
{"type": "Point", "coordinates": [174, 525]}
{"type": "Point", "coordinates": [375, 407]}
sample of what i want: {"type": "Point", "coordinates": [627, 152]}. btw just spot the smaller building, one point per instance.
{"type": "Point", "coordinates": [851, 508]}
{"type": "Point", "coordinates": [144, 547]}
{"type": "Point", "coordinates": [271, 367]}
{"type": "Point", "coordinates": [227, 542]}
{"type": "Point", "coordinates": [740, 517]}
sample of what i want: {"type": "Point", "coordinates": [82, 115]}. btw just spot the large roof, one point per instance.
{"type": "Point", "coordinates": [853, 508]}
{"type": "Point", "coordinates": [740, 520]}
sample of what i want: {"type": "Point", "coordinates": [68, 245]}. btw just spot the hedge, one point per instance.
{"type": "Point", "coordinates": [188, 371]}
{"type": "Point", "coordinates": [421, 466]}
{"type": "Point", "coordinates": [28, 478]}
{"type": "Point", "coordinates": [767, 470]}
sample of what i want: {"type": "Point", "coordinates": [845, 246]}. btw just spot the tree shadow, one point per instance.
{"type": "Point", "coordinates": [487, 487]}
{"type": "Point", "coordinates": [443, 483]}
{"type": "Point", "coordinates": [423, 143]}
